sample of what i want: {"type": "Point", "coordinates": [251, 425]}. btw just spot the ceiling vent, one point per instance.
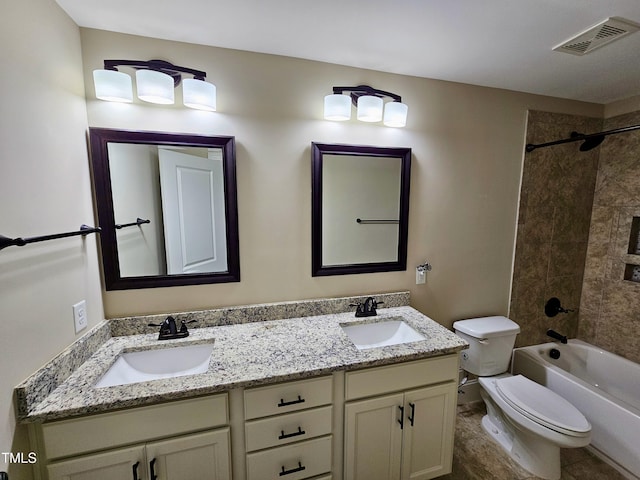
{"type": "Point", "coordinates": [605, 32]}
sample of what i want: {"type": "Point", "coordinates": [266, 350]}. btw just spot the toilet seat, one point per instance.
{"type": "Point", "coordinates": [542, 406]}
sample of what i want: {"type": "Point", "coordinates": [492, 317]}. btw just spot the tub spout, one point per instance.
{"type": "Point", "coordinates": [557, 336]}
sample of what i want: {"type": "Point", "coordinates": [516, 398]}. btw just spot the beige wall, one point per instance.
{"type": "Point", "coordinates": [44, 189]}
{"type": "Point", "coordinates": [628, 105]}
{"type": "Point", "coordinates": [467, 147]}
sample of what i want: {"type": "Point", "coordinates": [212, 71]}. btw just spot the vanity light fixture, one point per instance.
{"type": "Point", "coordinates": [369, 103]}
{"type": "Point", "coordinates": [155, 83]}
{"type": "Point", "coordinates": [154, 87]}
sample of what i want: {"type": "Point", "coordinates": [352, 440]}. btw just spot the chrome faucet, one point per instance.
{"type": "Point", "coordinates": [557, 336]}
{"type": "Point", "coordinates": [366, 309]}
{"type": "Point", "coordinates": [169, 329]}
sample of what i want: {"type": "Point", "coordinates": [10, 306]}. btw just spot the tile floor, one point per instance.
{"type": "Point", "coordinates": [477, 457]}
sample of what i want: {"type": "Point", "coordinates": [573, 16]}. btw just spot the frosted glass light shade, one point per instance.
{"type": "Point", "coordinates": [337, 107]}
{"type": "Point", "coordinates": [369, 108]}
{"type": "Point", "coordinates": [154, 87]}
{"type": "Point", "coordinates": [113, 86]}
{"type": "Point", "coordinates": [395, 114]}
{"type": "Point", "coordinates": [199, 94]}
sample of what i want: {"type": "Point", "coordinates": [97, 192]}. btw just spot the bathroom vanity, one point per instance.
{"type": "Point", "coordinates": [291, 398]}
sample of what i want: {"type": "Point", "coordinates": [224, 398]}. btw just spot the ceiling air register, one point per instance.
{"type": "Point", "coordinates": [613, 28]}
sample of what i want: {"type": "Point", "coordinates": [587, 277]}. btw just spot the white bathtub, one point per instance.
{"type": "Point", "coordinates": [603, 386]}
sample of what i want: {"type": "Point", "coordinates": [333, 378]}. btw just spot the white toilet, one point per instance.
{"type": "Point", "coordinates": [528, 420]}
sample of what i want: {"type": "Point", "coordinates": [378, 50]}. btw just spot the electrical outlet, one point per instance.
{"type": "Point", "coordinates": [421, 275]}
{"type": "Point", "coordinates": [80, 315]}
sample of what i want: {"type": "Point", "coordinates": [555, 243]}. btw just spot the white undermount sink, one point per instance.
{"type": "Point", "coordinates": [381, 333]}
{"type": "Point", "coordinates": [172, 361]}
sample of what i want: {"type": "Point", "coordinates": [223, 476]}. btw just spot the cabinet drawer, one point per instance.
{"type": "Point", "coordinates": [287, 397]}
{"type": "Point", "coordinates": [104, 465]}
{"type": "Point", "coordinates": [284, 429]}
{"type": "Point", "coordinates": [124, 427]}
{"type": "Point", "coordinates": [401, 376]}
{"type": "Point", "coordinates": [291, 462]}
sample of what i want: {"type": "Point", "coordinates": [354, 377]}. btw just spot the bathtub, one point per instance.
{"type": "Point", "coordinates": [603, 386]}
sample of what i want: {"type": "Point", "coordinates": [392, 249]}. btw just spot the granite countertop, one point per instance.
{"type": "Point", "coordinates": [244, 355]}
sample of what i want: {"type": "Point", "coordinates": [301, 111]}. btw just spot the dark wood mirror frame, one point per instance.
{"type": "Point", "coordinates": [99, 138]}
{"type": "Point", "coordinates": [317, 152]}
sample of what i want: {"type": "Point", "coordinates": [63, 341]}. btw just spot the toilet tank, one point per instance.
{"type": "Point", "coordinates": [491, 340]}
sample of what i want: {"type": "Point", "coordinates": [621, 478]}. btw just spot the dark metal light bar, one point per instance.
{"type": "Point", "coordinates": [361, 90]}
{"type": "Point", "coordinates": [170, 69]}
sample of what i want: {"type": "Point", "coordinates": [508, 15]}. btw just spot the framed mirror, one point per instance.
{"type": "Point", "coordinates": [360, 208]}
{"type": "Point", "coordinates": [167, 205]}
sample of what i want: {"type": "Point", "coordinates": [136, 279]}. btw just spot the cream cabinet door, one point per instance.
{"type": "Point", "coordinates": [204, 456]}
{"type": "Point", "coordinates": [427, 448]}
{"type": "Point", "coordinates": [122, 464]}
{"type": "Point", "coordinates": [373, 438]}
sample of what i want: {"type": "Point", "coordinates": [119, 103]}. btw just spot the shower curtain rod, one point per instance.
{"type": "Point", "coordinates": [591, 140]}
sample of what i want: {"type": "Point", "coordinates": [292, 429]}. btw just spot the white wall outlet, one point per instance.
{"type": "Point", "coordinates": [421, 275]}
{"type": "Point", "coordinates": [80, 315]}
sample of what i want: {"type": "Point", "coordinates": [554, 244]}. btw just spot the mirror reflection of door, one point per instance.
{"type": "Point", "coordinates": [192, 190]}
{"type": "Point", "coordinates": [180, 190]}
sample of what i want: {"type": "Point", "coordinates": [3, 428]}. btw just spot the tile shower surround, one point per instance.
{"type": "Point", "coordinates": [574, 228]}
{"type": "Point", "coordinates": [610, 305]}
{"type": "Point", "coordinates": [553, 226]}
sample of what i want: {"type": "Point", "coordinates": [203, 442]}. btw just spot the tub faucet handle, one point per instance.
{"type": "Point", "coordinates": [553, 307]}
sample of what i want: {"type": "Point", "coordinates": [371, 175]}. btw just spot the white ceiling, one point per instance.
{"type": "Point", "coordinates": [496, 43]}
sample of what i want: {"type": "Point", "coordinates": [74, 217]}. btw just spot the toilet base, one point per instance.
{"type": "Point", "coordinates": [531, 452]}
{"type": "Point", "coordinates": [536, 456]}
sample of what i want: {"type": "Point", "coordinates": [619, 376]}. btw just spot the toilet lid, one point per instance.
{"type": "Point", "coordinates": [542, 405]}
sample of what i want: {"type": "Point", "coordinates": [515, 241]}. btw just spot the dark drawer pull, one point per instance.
{"type": "Point", "coordinates": [413, 413]}
{"type": "Point", "coordinates": [293, 402]}
{"type": "Point", "coordinates": [293, 470]}
{"type": "Point", "coordinates": [289, 435]}
{"type": "Point", "coordinates": [135, 470]}
{"type": "Point", "coordinates": [152, 469]}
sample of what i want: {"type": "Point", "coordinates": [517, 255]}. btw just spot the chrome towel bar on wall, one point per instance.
{"type": "Point", "coordinates": [21, 242]}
